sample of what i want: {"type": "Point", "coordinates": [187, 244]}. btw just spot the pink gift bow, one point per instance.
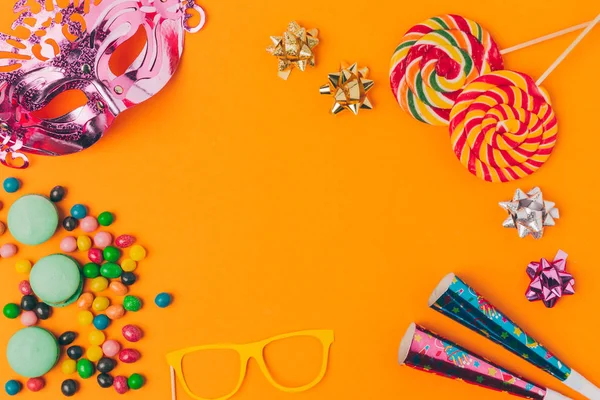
{"type": "Point", "coordinates": [549, 280]}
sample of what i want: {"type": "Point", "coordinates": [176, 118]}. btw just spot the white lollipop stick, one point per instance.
{"type": "Point", "coordinates": [568, 50]}
{"type": "Point", "coordinates": [545, 38]}
{"type": "Point", "coordinates": [173, 387]}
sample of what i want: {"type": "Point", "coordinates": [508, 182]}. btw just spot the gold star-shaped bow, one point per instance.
{"type": "Point", "coordinates": [349, 88]}
{"type": "Point", "coordinates": [294, 49]}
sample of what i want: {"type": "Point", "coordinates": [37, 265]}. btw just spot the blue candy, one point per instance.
{"type": "Point", "coordinates": [78, 211]}
{"type": "Point", "coordinates": [101, 322]}
{"type": "Point", "coordinates": [163, 300]}
{"type": "Point", "coordinates": [12, 387]}
{"type": "Point", "coordinates": [11, 185]}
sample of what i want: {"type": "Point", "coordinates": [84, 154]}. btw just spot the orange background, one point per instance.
{"type": "Point", "coordinates": [264, 214]}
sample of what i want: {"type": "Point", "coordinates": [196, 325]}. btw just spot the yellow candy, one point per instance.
{"type": "Point", "coordinates": [69, 367]}
{"type": "Point", "coordinates": [97, 337]}
{"type": "Point", "coordinates": [85, 318]}
{"type": "Point", "coordinates": [99, 284]}
{"type": "Point", "coordinates": [94, 353]}
{"type": "Point", "coordinates": [84, 243]}
{"type": "Point", "coordinates": [137, 252]}
{"type": "Point", "coordinates": [128, 265]}
{"type": "Point", "coordinates": [23, 266]}
{"type": "Point", "coordinates": [100, 303]}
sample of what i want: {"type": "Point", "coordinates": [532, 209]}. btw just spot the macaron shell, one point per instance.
{"type": "Point", "coordinates": [32, 352]}
{"type": "Point", "coordinates": [32, 219]}
{"type": "Point", "coordinates": [56, 280]}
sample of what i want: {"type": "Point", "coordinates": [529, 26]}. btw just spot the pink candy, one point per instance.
{"type": "Point", "coordinates": [111, 348]}
{"type": "Point", "coordinates": [124, 241]}
{"type": "Point", "coordinates": [88, 224]}
{"type": "Point", "coordinates": [8, 250]}
{"type": "Point", "coordinates": [102, 239]}
{"type": "Point", "coordinates": [29, 318]}
{"type": "Point", "coordinates": [120, 384]}
{"type": "Point", "coordinates": [96, 256]}
{"type": "Point", "coordinates": [25, 288]}
{"type": "Point", "coordinates": [129, 356]}
{"type": "Point", "coordinates": [36, 384]}
{"type": "Point", "coordinates": [68, 244]}
{"type": "Point", "coordinates": [132, 333]}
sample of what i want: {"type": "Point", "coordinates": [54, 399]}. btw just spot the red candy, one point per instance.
{"type": "Point", "coordinates": [124, 241]}
{"type": "Point", "coordinates": [96, 256]}
{"type": "Point", "coordinates": [129, 356]}
{"type": "Point", "coordinates": [36, 384]}
{"type": "Point", "coordinates": [25, 288]}
{"type": "Point", "coordinates": [120, 384]}
{"type": "Point", "coordinates": [132, 333]}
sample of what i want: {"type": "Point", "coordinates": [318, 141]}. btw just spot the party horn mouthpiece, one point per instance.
{"type": "Point", "coordinates": [457, 300]}
{"type": "Point", "coordinates": [423, 350]}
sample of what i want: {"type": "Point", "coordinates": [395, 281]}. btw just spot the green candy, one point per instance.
{"type": "Point", "coordinates": [11, 311]}
{"type": "Point", "coordinates": [111, 270]}
{"type": "Point", "coordinates": [135, 381]}
{"type": "Point", "coordinates": [111, 253]}
{"type": "Point", "coordinates": [85, 368]}
{"type": "Point", "coordinates": [132, 303]}
{"type": "Point", "coordinates": [91, 270]}
{"type": "Point", "coordinates": [106, 218]}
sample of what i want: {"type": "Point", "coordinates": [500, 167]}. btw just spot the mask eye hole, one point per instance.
{"type": "Point", "coordinates": [61, 105]}
{"type": "Point", "coordinates": [126, 54]}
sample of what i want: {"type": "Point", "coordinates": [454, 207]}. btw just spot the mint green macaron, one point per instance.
{"type": "Point", "coordinates": [56, 280]}
{"type": "Point", "coordinates": [32, 352]}
{"type": "Point", "coordinates": [32, 219]}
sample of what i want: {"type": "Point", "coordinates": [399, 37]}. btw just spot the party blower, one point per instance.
{"type": "Point", "coordinates": [455, 299]}
{"type": "Point", "coordinates": [425, 351]}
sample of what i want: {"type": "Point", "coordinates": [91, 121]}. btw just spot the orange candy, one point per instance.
{"type": "Point", "coordinates": [115, 312]}
{"type": "Point", "coordinates": [85, 301]}
{"type": "Point", "coordinates": [118, 288]}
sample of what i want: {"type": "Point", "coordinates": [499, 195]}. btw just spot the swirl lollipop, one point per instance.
{"type": "Point", "coordinates": [503, 127]}
{"type": "Point", "coordinates": [435, 61]}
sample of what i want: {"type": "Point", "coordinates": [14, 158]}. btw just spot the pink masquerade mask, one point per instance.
{"type": "Point", "coordinates": [68, 47]}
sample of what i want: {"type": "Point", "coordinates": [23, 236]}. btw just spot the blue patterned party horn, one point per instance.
{"type": "Point", "coordinates": [457, 300]}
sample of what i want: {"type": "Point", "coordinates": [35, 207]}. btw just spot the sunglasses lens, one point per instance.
{"type": "Point", "coordinates": [212, 374]}
{"type": "Point", "coordinates": [295, 361]}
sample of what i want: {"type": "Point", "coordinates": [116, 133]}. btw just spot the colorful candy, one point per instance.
{"type": "Point", "coordinates": [29, 318]}
{"type": "Point", "coordinates": [110, 269]}
{"type": "Point", "coordinates": [84, 243]}
{"type": "Point", "coordinates": [8, 250]}
{"type": "Point", "coordinates": [25, 288]}
{"type": "Point", "coordinates": [94, 353]}
{"type": "Point", "coordinates": [135, 381]}
{"type": "Point", "coordinates": [70, 223]}
{"type": "Point", "coordinates": [75, 352]}
{"type": "Point", "coordinates": [68, 244]}
{"type": "Point", "coordinates": [137, 252]}
{"type": "Point", "coordinates": [2, 226]}
{"type": "Point", "coordinates": [98, 284]}
{"type": "Point", "coordinates": [128, 265]}
{"type": "Point", "coordinates": [106, 365]}
{"type": "Point", "coordinates": [163, 300]}
{"type": "Point", "coordinates": [111, 348]}
{"type": "Point", "coordinates": [69, 387]}
{"type": "Point", "coordinates": [78, 211]}
{"type": "Point", "coordinates": [69, 367]}
{"type": "Point", "coordinates": [57, 194]}
{"type": "Point", "coordinates": [43, 310]}
{"type": "Point", "coordinates": [67, 338]}
{"type": "Point", "coordinates": [503, 127]}
{"type": "Point", "coordinates": [435, 61]}
{"type": "Point", "coordinates": [120, 384]}
{"type": "Point", "coordinates": [23, 266]}
{"type": "Point", "coordinates": [11, 311]}
{"type": "Point", "coordinates": [132, 303]}
{"type": "Point", "coordinates": [124, 241]}
{"type": "Point", "coordinates": [105, 381]}
{"type": "Point", "coordinates": [101, 322]}
{"type": "Point", "coordinates": [28, 303]}
{"type": "Point", "coordinates": [96, 256]}
{"type": "Point", "coordinates": [100, 303]}
{"type": "Point", "coordinates": [85, 318]}
{"type": "Point", "coordinates": [115, 312]}
{"type": "Point", "coordinates": [85, 300]}
{"type": "Point", "coordinates": [106, 218]}
{"type": "Point", "coordinates": [129, 356]}
{"type": "Point", "coordinates": [89, 224]}
{"type": "Point", "coordinates": [91, 270]}
{"type": "Point", "coordinates": [85, 368]}
{"type": "Point", "coordinates": [112, 254]}
{"type": "Point", "coordinates": [102, 239]}
{"type": "Point", "coordinates": [35, 384]}
{"type": "Point", "coordinates": [12, 387]}
{"type": "Point", "coordinates": [128, 278]}
{"type": "Point", "coordinates": [132, 333]}
{"type": "Point", "coordinates": [118, 288]}
{"type": "Point", "coordinates": [11, 185]}
{"type": "Point", "coordinates": [96, 337]}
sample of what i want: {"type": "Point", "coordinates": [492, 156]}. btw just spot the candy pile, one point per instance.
{"type": "Point", "coordinates": [33, 351]}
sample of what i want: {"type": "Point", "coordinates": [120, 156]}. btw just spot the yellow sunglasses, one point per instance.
{"type": "Point", "coordinates": [246, 352]}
